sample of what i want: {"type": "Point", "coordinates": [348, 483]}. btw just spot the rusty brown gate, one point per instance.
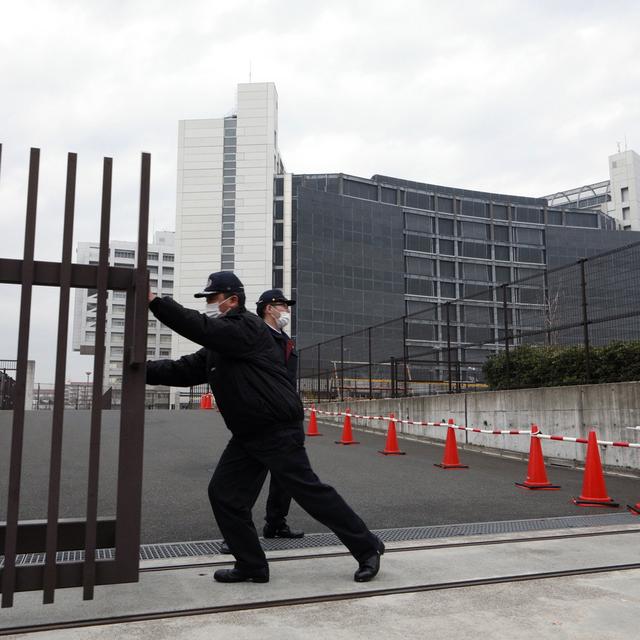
{"type": "Point", "coordinates": [53, 535]}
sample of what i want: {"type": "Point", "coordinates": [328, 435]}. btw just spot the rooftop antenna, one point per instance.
{"type": "Point", "coordinates": [618, 145]}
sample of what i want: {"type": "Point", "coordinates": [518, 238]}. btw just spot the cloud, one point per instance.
{"type": "Point", "coordinates": [519, 97]}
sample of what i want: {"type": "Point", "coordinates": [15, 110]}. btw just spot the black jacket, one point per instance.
{"type": "Point", "coordinates": [240, 361]}
{"type": "Point", "coordinates": [289, 353]}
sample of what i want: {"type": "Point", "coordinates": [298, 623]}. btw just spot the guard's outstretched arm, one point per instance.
{"type": "Point", "coordinates": [187, 371]}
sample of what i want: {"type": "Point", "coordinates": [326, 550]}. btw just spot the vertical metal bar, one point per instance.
{"type": "Point", "coordinates": [50, 569]}
{"type": "Point", "coordinates": [370, 367]}
{"type": "Point", "coordinates": [341, 368]}
{"type": "Point", "coordinates": [405, 354]}
{"type": "Point", "coordinates": [448, 317]}
{"type": "Point", "coordinates": [547, 304]}
{"type": "Point", "coordinates": [98, 374]}
{"type": "Point", "coordinates": [17, 434]}
{"type": "Point", "coordinates": [318, 375]}
{"type": "Point", "coordinates": [585, 321]}
{"type": "Point", "coordinates": [505, 311]}
{"type": "Point", "coordinates": [133, 397]}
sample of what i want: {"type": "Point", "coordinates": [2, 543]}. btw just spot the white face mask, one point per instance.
{"type": "Point", "coordinates": [212, 309]}
{"type": "Point", "coordinates": [283, 320]}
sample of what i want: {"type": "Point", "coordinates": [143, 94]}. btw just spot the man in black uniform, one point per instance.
{"type": "Point", "coordinates": [273, 308]}
{"type": "Point", "coordinates": [261, 408]}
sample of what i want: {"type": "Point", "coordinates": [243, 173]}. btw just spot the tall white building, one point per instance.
{"type": "Point", "coordinates": [624, 173]}
{"type": "Point", "coordinates": [161, 265]}
{"type": "Point", "coordinates": [225, 200]}
{"type": "Point", "coordinates": [618, 197]}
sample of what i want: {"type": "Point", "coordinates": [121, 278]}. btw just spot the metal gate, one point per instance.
{"type": "Point", "coordinates": [91, 533]}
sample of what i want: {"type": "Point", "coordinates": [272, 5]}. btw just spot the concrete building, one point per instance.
{"type": "Point", "coordinates": [225, 198]}
{"type": "Point", "coordinates": [619, 196]}
{"type": "Point", "coordinates": [161, 263]}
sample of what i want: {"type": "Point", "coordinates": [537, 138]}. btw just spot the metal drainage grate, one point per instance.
{"type": "Point", "coordinates": [168, 550]}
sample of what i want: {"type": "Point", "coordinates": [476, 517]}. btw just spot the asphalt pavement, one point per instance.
{"type": "Point", "coordinates": [182, 449]}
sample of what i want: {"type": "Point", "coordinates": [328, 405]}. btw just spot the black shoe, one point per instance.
{"type": "Point", "coordinates": [224, 548]}
{"type": "Point", "coordinates": [233, 575]}
{"type": "Point", "coordinates": [270, 531]}
{"type": "Point", "coordinates": [370, 566]}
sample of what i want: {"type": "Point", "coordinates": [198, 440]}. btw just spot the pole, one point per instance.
{"type": "Point", "coordinates": [585, 321]}
{"type": "Point", "coordinates": [448, 318]}
{"type": "Point", "coordinates": [370, 367]}
{"type": "Point", "coordinates": [505, 311]}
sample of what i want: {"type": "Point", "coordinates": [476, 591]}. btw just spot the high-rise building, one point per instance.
{"type": "Point", "coordinates": [225, 198]}
{"type": "Point", "coordinates": [359, 251]}
{"type": "Point", "coordinates": [161, 266]}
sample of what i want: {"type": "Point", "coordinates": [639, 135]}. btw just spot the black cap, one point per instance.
{"type": "Point", "coordinates": [221, 282]}
{"type": "Point", "coordinates": [272, 296]}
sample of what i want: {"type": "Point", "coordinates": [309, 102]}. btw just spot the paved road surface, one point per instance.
{"type": "Point", "coordinates": [182, 448]}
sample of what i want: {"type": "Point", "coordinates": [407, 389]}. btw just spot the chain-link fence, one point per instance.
{"type": "Point", "coordinates": [442, 348]}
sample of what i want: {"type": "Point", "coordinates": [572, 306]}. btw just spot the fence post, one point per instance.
{"type": "Point", "coordinates": [405, 355]}
{"type": "Point", "coordinates": [318, 376]}
{"type": "Point", "coordinates": [585, 320]}
{"type": "Point", "coordinates": [341, 368]}
{"type": "Point", "coordinates": [370, 367]}
{"type": "Point", "coordinates": [505, 312]}
{"type": "Point", "coordinates": [448, 317]}
{"type": "Point", "coordinates": [392, 367]}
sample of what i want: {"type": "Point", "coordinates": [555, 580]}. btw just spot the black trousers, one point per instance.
{"type": "Point", "coordinates": [244, 465]}
{"type": "Point", "coordinates": [278, 504]}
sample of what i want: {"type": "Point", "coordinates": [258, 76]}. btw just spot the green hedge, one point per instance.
{"type": "Point", "coordinates": [553, 366]}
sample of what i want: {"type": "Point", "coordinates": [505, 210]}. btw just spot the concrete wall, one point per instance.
{"type": "Point", "coordinates": [569, 411]}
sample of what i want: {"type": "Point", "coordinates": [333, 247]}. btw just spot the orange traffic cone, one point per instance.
{"type": "Point", "coordinates": [313, 424]}
{"type": "Point", "coordinates": [450, 459]}
{"type": "Point", "coordinates": [594, 491]}
{"type": "Point", "coordinates": [347, 435]}
{"type": "Point", "coordinates": [536, 472]}
{"type": "Point", "coordinates": [634, 508]}
{"type": "Point", "coordinates": [392, 448]}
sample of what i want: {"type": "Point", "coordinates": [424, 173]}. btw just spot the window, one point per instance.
{"type": "Point", "coordinates": [117, 322]}
{"type": "Point", "coordinates": [475, 209]}
{"type": "Point", "coordinates": [165, 339]}
{"type": "Point", "coordinates": [445, 205]}
{"type": "Point", "coordinates": [168, 257]}
{"type": "Point", "coordinates": [625, 213]}
{"type": "Point", "coordinates": [500, 212]}
{"type": "Point", "coordinates": [165, 353]}
{"type": "Point", "coordinates": [445, 226]}
{"type": "Point", "coordinates": [278, 256]}
{"type": "Point", "coordinates": [389, 195]}
{"type": "Point", "coordinates": [278, 210]}
{"type": "Point", "coordinates": [121, 253]}
{"type": "Point", "coordinates": [447, 247]}
{"type": "Point", "coordinates": [416, 287]}
{"type": "Point", "coordinates": [278, 232]}
{"type": "Point", "coordinates": [528, 236]}
{"type": "Point", "coordinates": [525, 214]}
{"type": "Point", "coordinates": [118, 309]}
{"type": "Point", "coordinates": [419, 200]}
{"type": "Point", "coordinates": [627, 227]}
{"type": "Point", "coordinates": [416, 222]}
{"type": "Point", "coordinates": [421, 331]}
{"type": "Point", "coordinates": [624, 194]}
{"type": "Point", "coordinates": [477, 291]}
{"type": "Point", "coordinates": [554, 217]}
{"type": "Point", "coordinates": [503, 274]}
{"type": "Point", "coordinates": [530, 296]}
{"type": "Point", "coordinates": [477, 315]}
{"type": "Point", "coordinates": [419, 243]}
{"type": "Point", "coordinates": [447, 269]}
{"type": "Point", "coordinates": [153, 256]}
{"type": "Point", "coordinates": [472, 271]}
{"type": "Point", "coordinates": [167, 270]}
{"type": "Point", "coordinates": [278, 278]}
{"type": "Point", "coordinates": [447, 290]}
{"type": "Point", "coordinates": [419, 266]}
{"type": "Point", "coordinates": [475, 250]}
{"type": "Point", "coordinates": [475, 230]}
{"type": "Point", "coordinates": [524, 254]}
{"type": "Point", "coordinates": [502, 253]}
{"type": "Point", "coordinates": [501, 233]}
{"type": "Point", "coordinates": [360, 189]}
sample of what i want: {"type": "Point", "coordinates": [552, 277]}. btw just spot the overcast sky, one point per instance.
{"type": "Point", "coordinates": [521, 97]}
